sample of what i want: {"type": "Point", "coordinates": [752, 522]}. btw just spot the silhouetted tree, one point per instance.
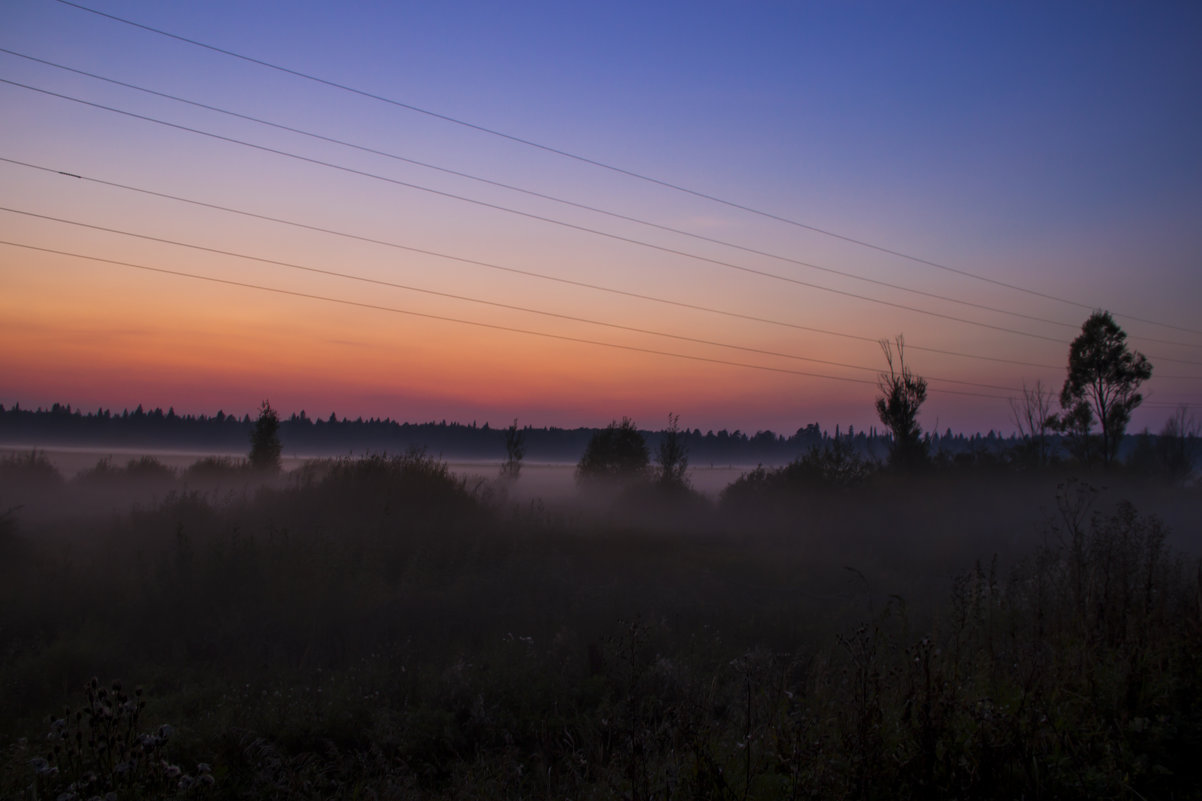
{"type": "Point", "coordinates": [1178, 443]}
{"type": "Point", "coordinates": [673, 456]}
{"type": "Point", "coordinates": [1032, 414]}
{"type": "Point", "coordinates": [617, 451]}
{"type": "Point", "coordinates": [515, 451]}
{"type": "Point", "coordinates": [1103, 382]}
{"type": "Point", "coordinates": [902, 393]}
{"type": "Point", "coordinates": [265, 440]}
{"type": "Point", "coordinates": [1074, 425]}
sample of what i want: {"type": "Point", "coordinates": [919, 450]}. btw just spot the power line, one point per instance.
{"type": "Point", "coordinates": [545, 276]}
{"type": "Point", "coordinates": [476, 323]}
{"type": "Point", "coordinates": [518, 271]}
{"type": "Point", "coordinates": [611, 167]}
{"type": "Point", "coordinates": [543, 196]}
{"type": "Point", "coordinates": [469, 299]}
{"type": "Point", "coordinates": [496, 304]}
{"type": "Point", "coordinates": [629, 240]}
{"type": "Point", "coordinates": [449, 295]}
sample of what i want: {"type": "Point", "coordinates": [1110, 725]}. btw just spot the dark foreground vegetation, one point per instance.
{"type": "Point", "coordinates": [380, 628]}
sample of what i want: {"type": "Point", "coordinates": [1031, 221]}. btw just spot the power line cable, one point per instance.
{"type": "Point", "coordinates": [629, 240]}
{"type": "Point", "coordinates": [543, 276]}
{"type": "Point", "coordinates": [543, 196]}
{"type": "Point", "coordinates": [467, 298]}
{"type": "Point", "coordinates": [495, 304]}
{"type": "Point", "coordinates": [511, 269]}
{"type": "Point", "coordinates": [476, 323]}
{"type": "Point", "coordinates": [611, 167]}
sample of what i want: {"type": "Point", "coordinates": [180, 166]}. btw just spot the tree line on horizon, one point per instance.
{"type": "Point", "coordinates": [63, 424]}
{"type": "Point", "coordinates": [1102, 385]}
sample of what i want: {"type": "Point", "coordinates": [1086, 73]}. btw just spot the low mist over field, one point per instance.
{"type": "Point", "coordinates": [393, 625]}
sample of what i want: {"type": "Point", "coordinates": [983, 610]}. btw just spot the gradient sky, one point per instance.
{"type": "Point", "coordinates": [1049, 146]}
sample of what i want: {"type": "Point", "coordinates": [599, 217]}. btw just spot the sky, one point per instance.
{"type": "Point", "coordinates": [568, 213]}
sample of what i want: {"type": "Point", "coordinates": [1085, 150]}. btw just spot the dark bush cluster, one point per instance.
{"type": "Point", "coordinates": [143, 471]}
{"type": "Point", "coordinates": [405, 493]}
{"type": "Point", "coordinates": [616, 453]}
{"type": "Point", "coordinates": [831, 467]}
{"type": "Point", "coordinates": [215, 470]}
{"type": "Point", "coordinates": [27, 470]}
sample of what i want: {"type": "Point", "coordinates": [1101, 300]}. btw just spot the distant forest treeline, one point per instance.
{"type": "Point", "coordinates": [305, 436]}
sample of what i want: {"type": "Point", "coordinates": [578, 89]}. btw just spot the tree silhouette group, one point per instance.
{"type": "Point", "coordinates": [1102, 386]}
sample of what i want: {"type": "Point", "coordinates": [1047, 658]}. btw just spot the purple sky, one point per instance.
{"type": "Point", "coordinates": [1048, 146]}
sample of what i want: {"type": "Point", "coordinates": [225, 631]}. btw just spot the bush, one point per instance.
{"type": "Point", "coordinates": [29, 470]}
{"type": "Point", "coordinates": [216, 469]}
{"type": "Point", "coordinates": [829, 467]}
{"type": "Point", "coordinates": [145, 470]}
{"type": "Point", "coordinates": [413, 483]}
{"type": "Point", "coordinates": [148, 468]}
{"type": "Point", "coordinates": [617, 452]}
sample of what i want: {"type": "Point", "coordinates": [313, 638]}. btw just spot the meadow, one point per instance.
{"type": "Point", "coordinates": [387, 627]}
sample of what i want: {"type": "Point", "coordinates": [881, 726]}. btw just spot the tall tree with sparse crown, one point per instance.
{"type": "Point", "coordinates": [1103, 381]}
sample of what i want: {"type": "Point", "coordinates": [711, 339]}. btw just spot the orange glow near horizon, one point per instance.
{"type": "Point", "coordinates": [81, 331]}
{"type": "Point", "coordinates": [445, 225]}
{"type": "Point", "coordinates": [121, 336]}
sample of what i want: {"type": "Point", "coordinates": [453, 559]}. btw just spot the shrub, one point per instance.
{"type": "Point", "coordinates": [31, 470]}
{"type": "Point", "coordinates": [148, 468]}
{"type": "Point", "coordinates": [103, 472]}
{"type": "Point", "coordinates": [829, 467]}
{"type": "Point", "coordinates": [410, 483]}
{"type": "Point", "coordinates": [145, 470]}
{"type": "Point", "coordinates": [216, 468]}
{"type": "Point", "coordinates": [617, 452]}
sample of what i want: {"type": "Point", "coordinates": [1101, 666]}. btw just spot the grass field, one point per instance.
{"type": "Point", "coordinates": [384, 628]}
